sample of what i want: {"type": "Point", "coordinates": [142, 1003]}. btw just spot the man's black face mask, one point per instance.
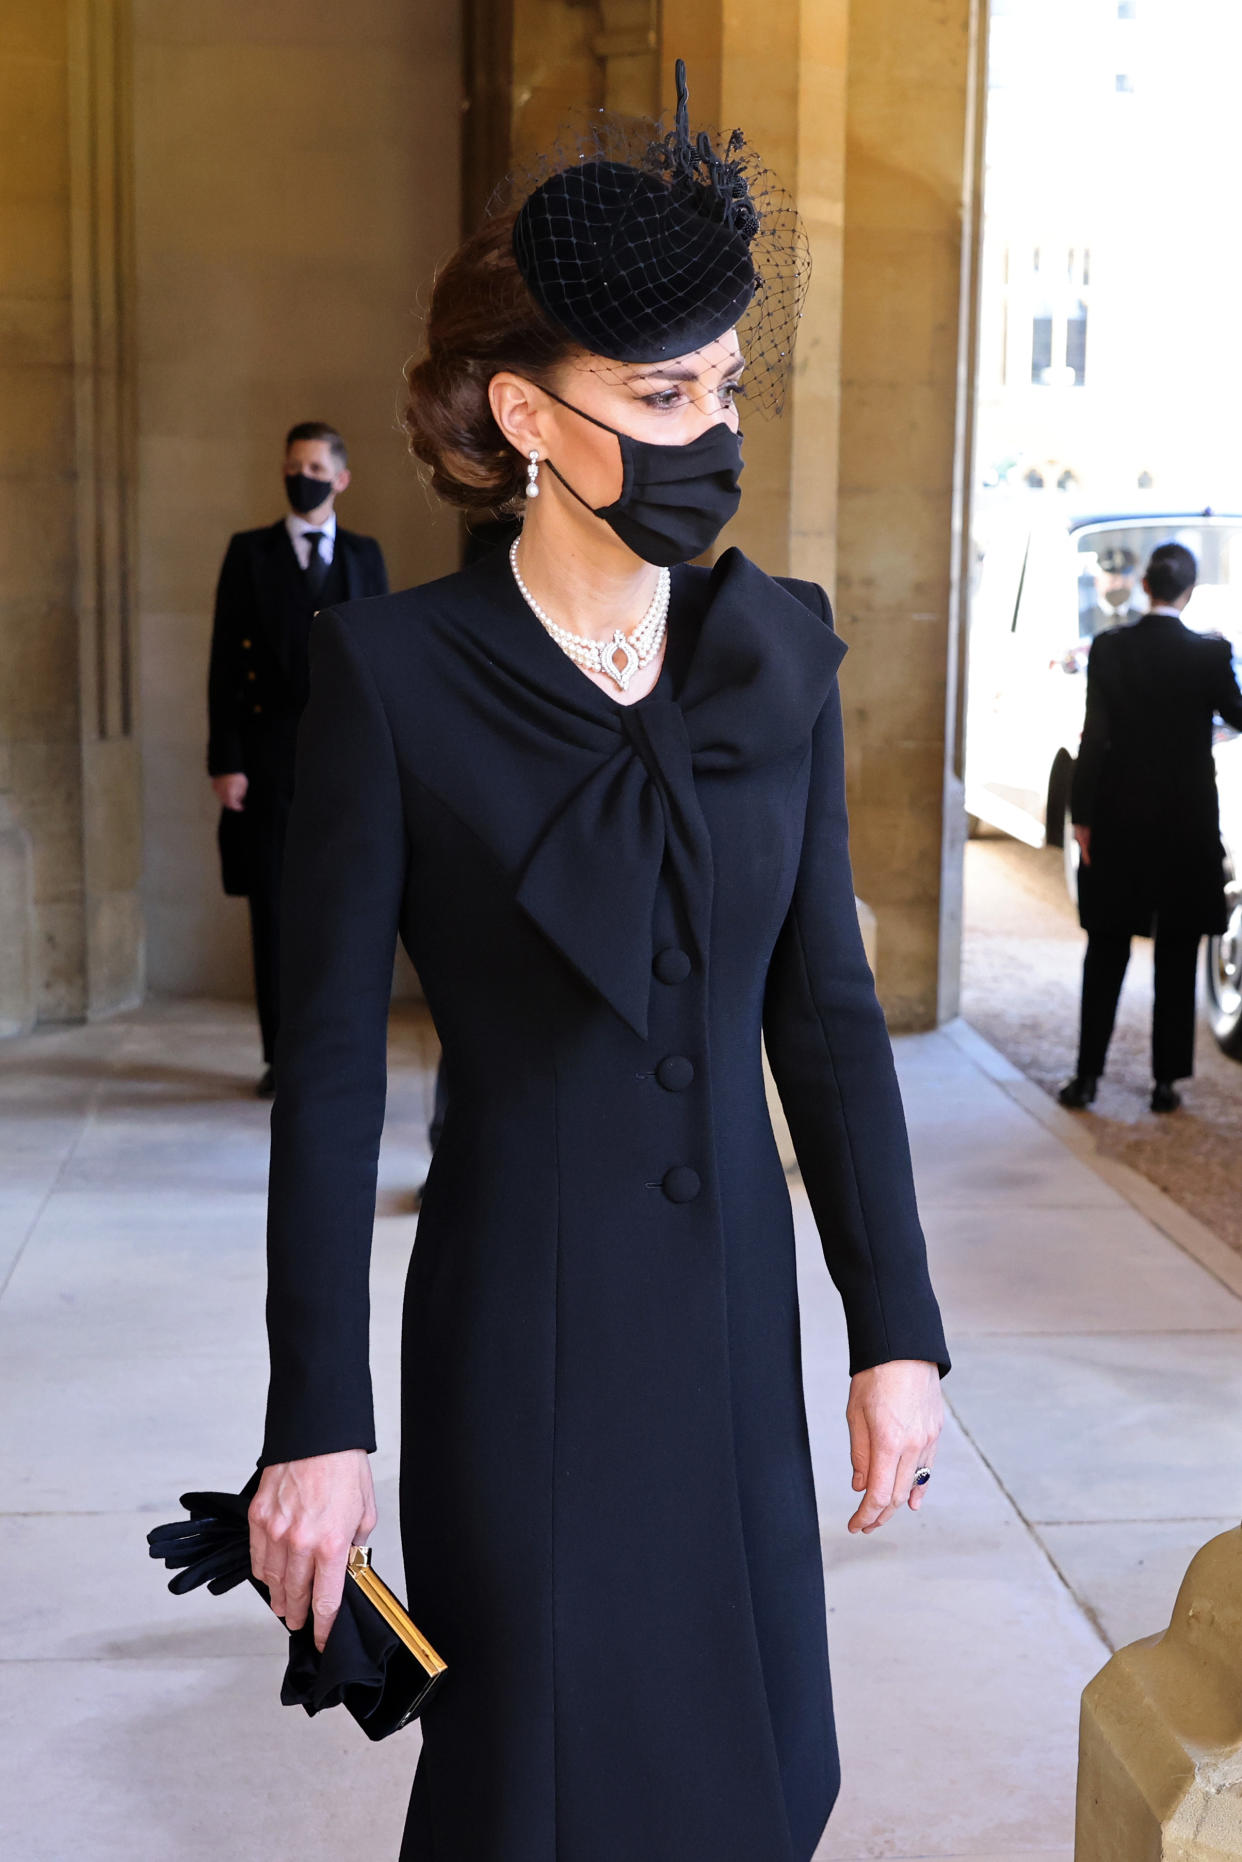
{"type": "Point", "coordinates": [306, 494]}
{"type": "Point", "coordinates": [675, 500]}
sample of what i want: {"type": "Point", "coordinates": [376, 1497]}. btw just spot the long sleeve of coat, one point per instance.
{"type": "Point", "coordinates": [1225, 693]}
{"type": "Point", "coordinates": [226, 672]}
{"type": "Point", "coordinates": [833, 1065]}
{"type": "Point", "coordinates": [1093, 745]}
{"type": "Point", "coordinates": [343, 882]}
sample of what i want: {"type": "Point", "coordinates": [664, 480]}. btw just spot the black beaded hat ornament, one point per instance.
{"type": "Point", "coordinates": [644, 245]}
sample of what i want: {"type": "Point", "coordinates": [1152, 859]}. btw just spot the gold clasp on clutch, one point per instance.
{"type": "Point", "coordinates": [374, 1589]}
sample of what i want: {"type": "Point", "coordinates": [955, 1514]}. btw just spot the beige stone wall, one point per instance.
{"type": "Point", "coordinates": [906, 390]}
{"type": "Point", "coordinates": [219, 219]}
{"type": "Point", "coordinates": [296, 182]}
{"type": "Point", "coordinates": [867, 111]}
{"type": "Point", "coordinates": [39, 763]}
{"type": "Point", "coordinates": [785, 85]}
{"type": "Point", "coordinates": [69, 849]}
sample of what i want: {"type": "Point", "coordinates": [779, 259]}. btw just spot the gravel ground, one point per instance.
{"type": "Point", "coordinates": [1022, 963]}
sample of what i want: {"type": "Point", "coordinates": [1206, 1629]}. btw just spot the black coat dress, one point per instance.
{"type": "Point", "coordinates": [607, 1508]}
{"type": "Point", "coordinates": [1145, 779]}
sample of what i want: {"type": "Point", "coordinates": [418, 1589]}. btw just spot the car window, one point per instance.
{"type": "Point", "coordinates": [998, 567]}
{"type": "Point", "coordinates": [1112, 557]}
{"type": "Point", "coordinates": [1044, 623]}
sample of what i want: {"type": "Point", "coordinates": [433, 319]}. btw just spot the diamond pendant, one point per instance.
{"type": "Point", "coordinates": [608, 660]}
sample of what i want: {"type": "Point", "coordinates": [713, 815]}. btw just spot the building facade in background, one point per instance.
{"type": "Point", "coordinates": [1110, 263]}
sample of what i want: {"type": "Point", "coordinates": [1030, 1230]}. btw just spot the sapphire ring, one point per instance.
{"type": "Point", "coordinates": [922, 1476]}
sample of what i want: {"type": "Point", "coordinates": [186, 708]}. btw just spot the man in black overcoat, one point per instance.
{"type": "Point", "coordinates": [272, 582]}
{"type": "Point", "coordinates": [1147, 820]}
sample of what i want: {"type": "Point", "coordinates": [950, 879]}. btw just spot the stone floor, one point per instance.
{"type": "Point", "coordinates": [1094, 1443]}
{"type": "Point", "coordinates": [1021, 982]}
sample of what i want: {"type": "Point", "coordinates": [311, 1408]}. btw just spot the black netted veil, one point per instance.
{"type": "Point", "coordinates": [645, 244]}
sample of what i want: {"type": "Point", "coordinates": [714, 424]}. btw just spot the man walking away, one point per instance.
{"type": "Point", "coordinates": [271, 584]}
{"type": "Point", "coordinates": [1147, 821]}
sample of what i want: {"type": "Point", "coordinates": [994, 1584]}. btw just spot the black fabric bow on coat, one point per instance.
{"type": "Point", "coordinates": [364, 1666]}
{"type": "Point", "coordinates": [763, 670]}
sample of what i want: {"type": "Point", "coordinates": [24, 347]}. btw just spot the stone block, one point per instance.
{"type": "Point", "coordinates": [275, 22]}
{"type": "Point", "coordinates": [904, 327]}
{"type": "Point", "coordinates": [47, 793]}
{"type": "Point", "coordinates": [36, 418]}
{"type": "Point", "coordinates": [38, 539]}
{"type": "Point", "coordinates": [1160, 1744]}
{"type": "Point", "coordinates": [36, 253]}
{"type": "Point", "coordinates": [33, 30]}
{"type": "Point", "coordinates": [897, 433]}
{"type": "Point", "coordinates": [908, 941]}
{"type": "Point", "coordinates": [17, 926]}
{"type": "Point", "coordinates": [34, 134]}
{"type": "Point", "coordinates": [114, 951]}
{"type": "Point", "coordinates": [38, 671]}
{"type": "Point", "coordinates": [113, 864]}
{"type": "Point", "coordinates": [34, 331]}
{"type": "Point", "coordinates": [60, 961]}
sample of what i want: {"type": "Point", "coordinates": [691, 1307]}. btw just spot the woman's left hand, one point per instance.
{"type": "Point", "coordinates": [895, 1414]}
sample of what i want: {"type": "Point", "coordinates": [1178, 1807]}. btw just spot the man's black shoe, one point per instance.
{"type": "Point", "coordinates": [1165, 1097]}
{"type": "Point", "coordinates": [1077, 1094]}
{"type": "Point", "coordinates": [266, 1089]}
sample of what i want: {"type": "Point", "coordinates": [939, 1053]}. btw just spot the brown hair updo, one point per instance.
{"type": "Point", "coordinates": [482, 320]}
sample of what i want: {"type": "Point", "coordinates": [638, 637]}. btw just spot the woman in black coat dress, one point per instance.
{"type": "Point", "coordinates": [603, 807]}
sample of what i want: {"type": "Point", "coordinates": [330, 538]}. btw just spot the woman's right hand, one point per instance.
{"type": "Point", "coordinates": [303, 1520]}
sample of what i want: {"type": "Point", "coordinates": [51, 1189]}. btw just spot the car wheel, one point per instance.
{"type": "Point", "coordinates": [1223, 967]}
{"type": "Point", "coordinates": [1071, 854]}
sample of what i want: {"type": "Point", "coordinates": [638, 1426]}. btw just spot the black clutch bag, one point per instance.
{"type": "Point", "coordinates": [376, 1663]}
{"type": "Point", "coordinates": [233, 840]}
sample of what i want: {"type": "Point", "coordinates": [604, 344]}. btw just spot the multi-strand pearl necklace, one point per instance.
{"type": "Point", "coordinates": [634, 650]}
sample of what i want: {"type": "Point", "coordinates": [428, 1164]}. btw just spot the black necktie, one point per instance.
{"type": "Point", "coordinates": [316, 567]}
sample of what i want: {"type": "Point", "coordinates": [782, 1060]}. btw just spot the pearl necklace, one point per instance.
{"type": "Point", "coordinates": [635, 649]}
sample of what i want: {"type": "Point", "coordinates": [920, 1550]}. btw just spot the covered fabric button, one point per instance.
{"type": "Point", "coordinates": [681, 1184]}
{"type": "Point", "coordinates": [672, 965]}
{"type": "Point", "coordinates": [675, 1073]}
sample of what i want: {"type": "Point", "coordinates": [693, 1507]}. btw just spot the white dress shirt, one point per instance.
{"type": "Point", "coordinates": [298, 527]}
{"type": "Point", "coordinates": [1159, 608]}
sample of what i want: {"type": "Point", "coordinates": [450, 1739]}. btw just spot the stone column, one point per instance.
{"type": "Point", "coordinates": [784, 83]}
{"type": "Point", "coordinates": [68, 766]}
{"type": "Point", "coordinates": [911, 203]}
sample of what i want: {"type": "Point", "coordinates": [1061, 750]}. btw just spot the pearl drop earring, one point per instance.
{"type": "Point", "coordinates": [532, 476]}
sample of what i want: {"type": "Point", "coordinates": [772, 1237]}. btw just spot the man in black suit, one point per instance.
{"type": "Point", "coordinates": [1147, 820]}
{"type": "Point", "coordinates": [271, 584]}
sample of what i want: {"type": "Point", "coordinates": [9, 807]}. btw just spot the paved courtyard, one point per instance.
{"type": "Point", "coordinates": [1021, 981]}
{"type": "Point", "coordinates": [1094, 1443]}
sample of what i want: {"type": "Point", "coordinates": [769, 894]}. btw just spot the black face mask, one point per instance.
{"type": "Point", "coordinates": [675, 500]}
{"type": "Point", "coordinates": [306, 494]}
